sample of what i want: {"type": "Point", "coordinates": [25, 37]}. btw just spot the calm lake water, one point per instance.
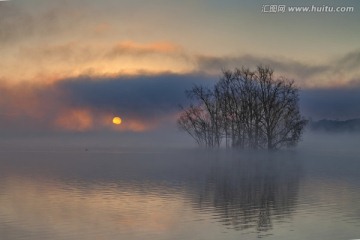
{"type": "Point", "coordinates": [312, 192]}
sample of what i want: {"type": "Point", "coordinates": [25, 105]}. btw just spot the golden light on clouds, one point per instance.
{"type": "Point", "coordinates": [75, 120]}
{"type": "Point", "coordinates": [60, 60]}
{"type": "Point", "coordinates": [117, 120]}
{"type": "Point", "coordinates": [130, 47]}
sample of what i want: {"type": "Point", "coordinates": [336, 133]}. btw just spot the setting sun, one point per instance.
{"type": "Point", "coordinates": [117, 120]}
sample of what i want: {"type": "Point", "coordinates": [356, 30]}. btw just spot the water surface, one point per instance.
{"type": "Point", "coordinates": [176, 194]}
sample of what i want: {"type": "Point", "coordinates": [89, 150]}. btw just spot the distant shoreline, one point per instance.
{"type": "Point", "coordinates": [327, 125]}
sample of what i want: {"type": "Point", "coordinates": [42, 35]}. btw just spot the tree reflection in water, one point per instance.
{"type": "Point", "coordinates": [252, 192]}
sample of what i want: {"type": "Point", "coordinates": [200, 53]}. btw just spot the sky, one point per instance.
{"type": "Point", "coordinates": [71, 66]}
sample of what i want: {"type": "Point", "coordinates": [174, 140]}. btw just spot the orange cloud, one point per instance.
{"type": "Point", "coordinates": [24, 101]}
{"type": "Point", "coordinates": [137, 126]}
{"type": "Point", "coordinates": [129, 47]}
{"type": "Point", "coordinates": [55, 61]}
{"type": "Point", "coordinates": [75, 120]}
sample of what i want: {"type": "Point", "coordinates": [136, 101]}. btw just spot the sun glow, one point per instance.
{"type": "Point", "coordinates": [117, 120]}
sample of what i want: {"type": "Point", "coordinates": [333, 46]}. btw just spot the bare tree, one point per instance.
{"type": "Point", "coordinates": [203, 121]}
{"type": "Point", "coordinates": [250, 109]}
{"type": "Point", "coordinates": [281, 120]}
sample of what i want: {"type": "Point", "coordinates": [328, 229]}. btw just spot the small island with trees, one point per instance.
{"type": "Point", "coordinates": [245, 109]}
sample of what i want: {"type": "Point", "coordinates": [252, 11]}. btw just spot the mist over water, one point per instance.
{"type": "Point", "coordinates": [310, 192]}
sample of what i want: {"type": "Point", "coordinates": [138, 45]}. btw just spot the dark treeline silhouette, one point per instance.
{"type": "Point", "coordinates": [350, 125]}
{"type": "Point", "coordinates": [245, 109]}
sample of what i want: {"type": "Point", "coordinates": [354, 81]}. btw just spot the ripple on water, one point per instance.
{"type": "Point", "coordinates": [159, 196]}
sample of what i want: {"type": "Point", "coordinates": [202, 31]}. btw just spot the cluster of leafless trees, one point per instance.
{"type": "Point", "coordinates": [247, 109]}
